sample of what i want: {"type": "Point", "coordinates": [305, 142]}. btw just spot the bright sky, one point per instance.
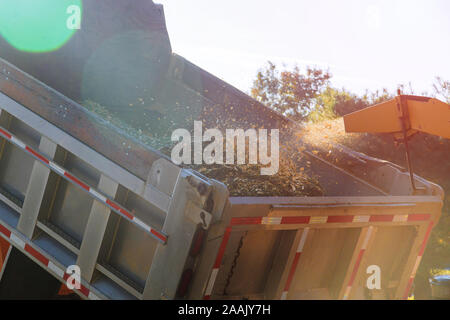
{"type": "Point", "coordinates": [366, 44]}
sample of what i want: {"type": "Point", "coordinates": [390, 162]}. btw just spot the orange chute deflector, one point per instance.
{"type": "Point", "coordinates": [418, 114]}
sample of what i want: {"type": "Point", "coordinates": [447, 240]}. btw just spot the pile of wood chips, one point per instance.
{"type": "Point", "coordinates": [247, 181]}
{"type": "Point", "coordinates": [241, 180]}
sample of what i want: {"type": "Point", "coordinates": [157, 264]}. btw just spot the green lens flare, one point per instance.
{"type": "Point", "coordinates": [38, 25]}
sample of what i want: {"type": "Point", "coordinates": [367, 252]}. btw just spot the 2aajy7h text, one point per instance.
{"type": "Point", "coordinates": [225, 309]}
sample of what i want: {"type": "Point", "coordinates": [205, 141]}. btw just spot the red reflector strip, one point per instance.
{"type": "Point", "coordinates": [222, 248]}
{"type": "Point", "coordinates": [158, 235]}
{"type": "Point", "coordinates": [78, 182]}
{"type": "Point", "coordinates": [126, 213]}
{"type": "Point", "coordinates": [418, 217]}
{"type": "Point", "coordinates": [84, 291]}
{"type": "Point", "coordinates": [408, 287]}
{"type": "Point", "coordinates": [381, 218]}
{"type": "Point", "coordinates": [215, 270]}
{"type": "Point", "coordinates": [358, 262]}
{"type": "Point", "coordinates": [327, 219]}
{"type": "Point", "coordinates": [152, 231]}
{"type": "Point", "coordinates": [6, 134]}
{"type": "Point", "coordinates": [292, 271]}
{"type": "Point", "coordinates": [5, 231]}
{"type": "Point", "coordinates": [356, 267]}
{"type": "Point", "coordinates": [335, 219]}
{"type": "Point", "coordinates": [294, 264]}
{"type": "Point", "coordinates": [113, 205]}
{"type": "Point", "coordinates": [40, 257]}
{"type": "Point", "coordinates": [243, 221]}
{"type": "Point", "coordinates": [37, 155]}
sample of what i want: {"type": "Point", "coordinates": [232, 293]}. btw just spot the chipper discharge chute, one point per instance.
{"type": "Point", "coordinates": [86, 181]}
{"type": "Point", "coordinates": [403, 116]}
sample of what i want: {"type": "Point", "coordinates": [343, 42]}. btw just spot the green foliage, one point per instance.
{"type": "Point", "coordinates": [335, 102]}
{"type": "Point", "coordinates": [325, 106]}
{"type": "Point", "coordinates": [347, 102]}
{"type": "Point", "coordinates": [332, 102]}
{"type": "Point", "coordinates": [290, 92]}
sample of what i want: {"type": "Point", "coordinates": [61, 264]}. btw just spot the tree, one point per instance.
{"type": "Point", "coordinates": [347, 102]}
{"type": "Point", "coordinates": [442, 89]}
{"type": "Point", "coordinates": [332, 102]}
{"type": "Point", "coordinates": [377, 96]}
{"type": "Point", "coordinates": [289, 92]}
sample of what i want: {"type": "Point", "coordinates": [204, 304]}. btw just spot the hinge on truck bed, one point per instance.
{"type": "Point", "coordinates": [198, 215]}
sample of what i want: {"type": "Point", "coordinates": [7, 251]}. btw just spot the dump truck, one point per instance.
{"type": "Point", "coordinates": [79, 192]}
